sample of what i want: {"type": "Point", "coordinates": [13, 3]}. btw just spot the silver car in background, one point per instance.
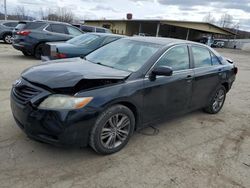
{"type": "Point", "coordinates": [6, 28]}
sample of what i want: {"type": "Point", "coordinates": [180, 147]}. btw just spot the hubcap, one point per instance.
{"type": "Point", "coordinates": [218, 100]}
{"type": "Point", "coordinates": [9, 39]}
{"type": "Point", "coordinates": [115, 131]}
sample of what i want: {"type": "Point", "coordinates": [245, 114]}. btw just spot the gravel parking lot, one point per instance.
{"type": "Point", "coordinates": [195, 150]}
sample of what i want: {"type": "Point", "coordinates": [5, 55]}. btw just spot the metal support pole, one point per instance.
{"type": "Point", "coordinates": [139, 28]}
{"type": "Point", "coordinates": [158, 29]}
{"type": "Point", "coordinates": [5, 10]}
{"type": "Point", "coordinates": [187, 34]}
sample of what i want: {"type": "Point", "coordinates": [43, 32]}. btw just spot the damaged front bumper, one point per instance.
{"type": "Point", "coordinates": [57, 127]}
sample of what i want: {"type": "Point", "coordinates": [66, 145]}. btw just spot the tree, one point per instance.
{"type": "Point", "coordinates": [209, 18]}
{"type": "Point", "coordinates": [21, 13]}
{"type": "Point", "coordinates": [61, 14]}
{"type": "Point", "coordinates": [226, 21]}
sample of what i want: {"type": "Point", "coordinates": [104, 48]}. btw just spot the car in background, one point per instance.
{"type": "Point", "coordinates": [89, 28]}
{"type": "Point", "coordinates": [6, 27]}
{"type": "Point", "coordinates": [218, 44]}
{"type": "Point", "coordinates": [78, 46]}
{"type": "Point", "coordinates": [124, 86]}
{"type": "Point", "coordinates": [30, 37]}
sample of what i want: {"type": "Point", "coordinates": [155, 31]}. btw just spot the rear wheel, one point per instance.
{"type": "Point", "coordinates": [39, 51]}
{"type": "Point", "coordinates": [217, 101]}
{"type": "Point", "coordinates": [112, 130]}
{"type": "Point", "coordinates": [8, 39]}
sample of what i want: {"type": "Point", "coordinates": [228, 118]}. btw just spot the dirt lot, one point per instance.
{"type": "Point", "coordinates": [197, 150]}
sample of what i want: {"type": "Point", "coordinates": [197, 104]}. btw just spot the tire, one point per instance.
{"type": "Point", "coordinates": [38, 51]}
{"type": "Point", "coordinates": [7, 38]}
{"type": "Point", "coordinates": [216, 101]}
{"type": "Point", "coordinates": [106, 137]}
{"type": "Point", "coordinates": [26, 53]}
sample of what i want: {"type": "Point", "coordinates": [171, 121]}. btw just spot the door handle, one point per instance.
{"type": "Point", "coordinates": [189, 78]}
{"type": "Point", "coordinates": [220, 71]}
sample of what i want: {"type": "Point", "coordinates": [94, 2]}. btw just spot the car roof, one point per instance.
{"type": "Point", "coordinates": [163, 41]}
{"type": "Point", "coordinates": [44, 21]}
{"type": "Point", "coordinates": [5, 21]}
{"type": "Point", "coordinates": [107, 34]}
{"type": "Point", "coordinates": [49, 21]}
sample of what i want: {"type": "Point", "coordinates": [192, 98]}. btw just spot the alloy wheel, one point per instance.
{"type": "Point", "coordinates": [8, 39]}
{"type": "Point", "coordinates": [115, 131]}
{"type": "Point", "coordinates": [218, 100]}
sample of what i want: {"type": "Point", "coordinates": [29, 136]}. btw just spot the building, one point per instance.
{"type": "Point", "coordinates": [165, 28]}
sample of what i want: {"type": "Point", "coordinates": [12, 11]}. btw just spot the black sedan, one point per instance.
{"type": "Point", "coordinates": [100, 100]}
{"type": "Point", "coordinates": [78, 46]}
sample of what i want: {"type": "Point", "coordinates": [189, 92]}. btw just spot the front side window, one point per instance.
{"type": "Point", "coordinates": [202, 57]}
{"type": "Point", "coordinates": [177, 58]}
{"type": "Point", "coordinates": [124, 54]}
{"type": "Point", "coordinates": [73, 31]}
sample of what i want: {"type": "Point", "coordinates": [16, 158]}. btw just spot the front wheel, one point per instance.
{"type": "Point", "coordinates": [216, 101]}
{"type": "Point", "coordinates": [112, 130]}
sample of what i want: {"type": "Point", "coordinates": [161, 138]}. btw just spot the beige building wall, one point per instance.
{"type": "Point", "coordinates": [115, 27]}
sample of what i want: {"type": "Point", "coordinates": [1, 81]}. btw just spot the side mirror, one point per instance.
{"type": "Point", "coordinates": [161, 71]}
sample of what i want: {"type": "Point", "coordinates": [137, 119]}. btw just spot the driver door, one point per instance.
{"type": "Point", "coordinates": [169, 95]}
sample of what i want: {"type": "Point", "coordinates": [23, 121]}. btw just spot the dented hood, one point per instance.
{"type": "Point", "coordinates": [68, 72]}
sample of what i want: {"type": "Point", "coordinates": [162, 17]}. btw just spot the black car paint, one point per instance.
{"type": "Point", "coordinates": [150, 100]}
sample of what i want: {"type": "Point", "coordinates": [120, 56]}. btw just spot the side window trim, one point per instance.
{"type": "Point", "coordinates": [189, 54]}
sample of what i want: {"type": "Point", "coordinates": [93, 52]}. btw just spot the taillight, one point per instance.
{"type": "Point", "coordinates": [23, 33]}
{"type": "Point", "coordinates": [61, 55]}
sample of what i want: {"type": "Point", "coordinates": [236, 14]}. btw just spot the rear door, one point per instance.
{"type": "Point", "coordinates": [208, 72]}
{"type": "Point", "coordinates": [166, 96]}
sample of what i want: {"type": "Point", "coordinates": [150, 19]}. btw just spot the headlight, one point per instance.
{"type": "Point", "coordinates": [64, 102]}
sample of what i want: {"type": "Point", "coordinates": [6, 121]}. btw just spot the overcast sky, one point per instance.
{"type": "Point", "coordinates": [192, 10]}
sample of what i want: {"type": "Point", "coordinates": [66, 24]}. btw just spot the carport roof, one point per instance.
{"type": "Point", "coordinates": [200, 26]}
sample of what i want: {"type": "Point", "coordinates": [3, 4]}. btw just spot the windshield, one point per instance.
{"type": "Point", "coordinates": [124, 54]}
{"type": "Point", "coordinates": [83, 39]}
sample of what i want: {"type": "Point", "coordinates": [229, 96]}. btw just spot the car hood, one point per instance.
{"type": "Point", "coordinates": [68, 72]}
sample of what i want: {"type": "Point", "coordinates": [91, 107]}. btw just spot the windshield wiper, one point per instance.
{"type": "Point", "coordinates": [99, 63]}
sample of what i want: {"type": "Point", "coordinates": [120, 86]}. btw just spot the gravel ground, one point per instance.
{"type": "Point", "coordinates": [195, 150]}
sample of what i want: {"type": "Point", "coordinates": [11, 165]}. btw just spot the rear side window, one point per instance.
{"type": "Point", "coordinates": [215, 60]}
{"type": "Point", "coordinates": [177, 58]}
{"type": "Point", "coordinates": [34, 25]}
{"type": "Point", "coordinates": [87, 28]}
{"type": "Point", "coordinates": [57, 28]}
{"type": "Point", "coordinates": [98, 30]}
{"type": "Point", "coordinates": [20, 26]}
{"type": "Point", "coordinates": [73, 31]}
{"type": "Point", "coordinates": [10, 24]}
{"type": "Point", "coordinates": [202, 57]}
